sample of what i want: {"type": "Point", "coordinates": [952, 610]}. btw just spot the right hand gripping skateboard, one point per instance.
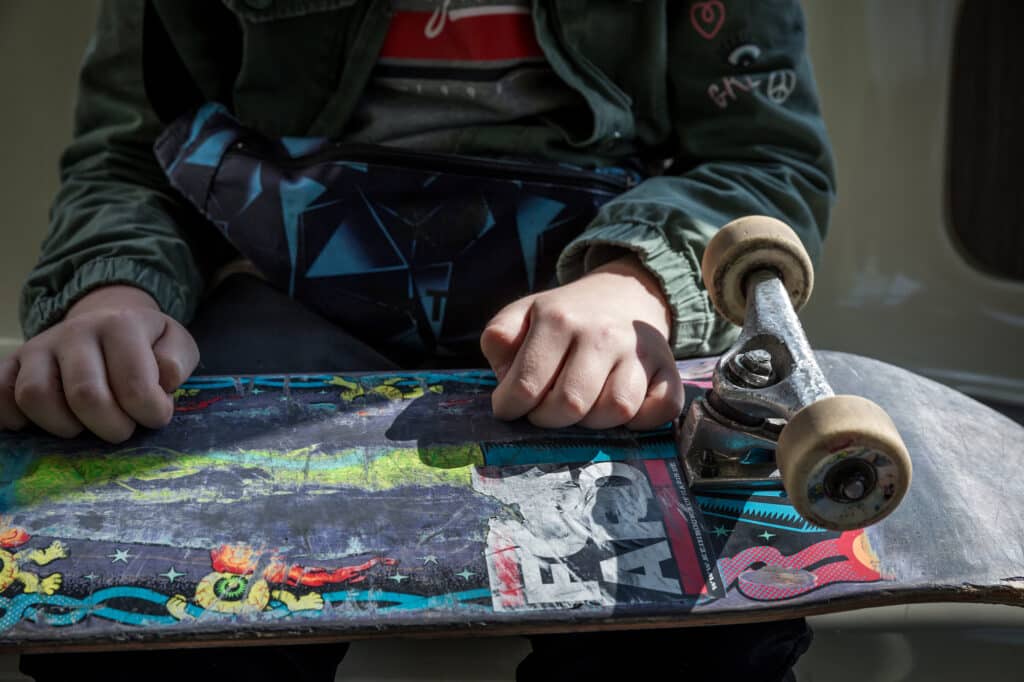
{"type": "Point", "coordinates": [771, 418]}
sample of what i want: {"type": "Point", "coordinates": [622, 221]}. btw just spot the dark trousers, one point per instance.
{"type": "Point", "coordinates": [247, 327]}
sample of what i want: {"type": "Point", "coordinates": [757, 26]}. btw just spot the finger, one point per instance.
{"type": "Point", "coordinates": [177, 355]}
{"type": "Point", "coordinates": [577, 388]}
{"type": "Point", "coordinates": [621, 397]}
{"type": "Point", "coordinates": [664, 400]}
{"type": "Point", "coordinates": [40, 395]}
{"type": "Point", "coordinates": [133, 375]}
{"type": "Point", "coordinates": [11, 417]}
{"type": "Point", "coordinates": [88, 394]}
{"type": "Point", "coordinates": [504, 334]}
{"type": "Point", "coordinates": [535, 367]}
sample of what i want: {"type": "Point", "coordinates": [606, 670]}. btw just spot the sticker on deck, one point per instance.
{"type": "Point", "coordinates": [602, 533]}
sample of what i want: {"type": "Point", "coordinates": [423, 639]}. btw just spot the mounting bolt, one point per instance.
{"type": "Point", "coordinates": [708, 464]}
{"type": "Point", "coordinates": [753, 368]}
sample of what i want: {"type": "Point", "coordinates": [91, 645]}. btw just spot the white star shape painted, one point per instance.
{"type": "Point", "coordinates": [171, 574]}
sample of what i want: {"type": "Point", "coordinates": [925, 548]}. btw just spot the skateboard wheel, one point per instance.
{"type": "Point", "coordinates": [843, 463]}
{"type": "Point", "coordinates": [749, 244]}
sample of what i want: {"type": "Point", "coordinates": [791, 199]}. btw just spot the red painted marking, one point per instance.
{"type": "Point", "coordinates": [457, 402]}
{"type": "Point", "coordinates": [490, 37]}
{"type": "Point", "coordinates": [506, 571]}
{"type": "Point", "coordinates": [12, 537]}
{"type": "Point", "coordinates": [242, 560]}
{"type": "Point", "coordinates": [196, 407]}
{"type": "Point", "coordinates": [845, 543]}
{"type": "Point", "coordinates": [699, 384]}
{"type": "Point", "coordinates": [849, 570]}
{"type": "Point", "coordinates": [707, 18]}
{"type": "Point", "coordinates": [690, 574]}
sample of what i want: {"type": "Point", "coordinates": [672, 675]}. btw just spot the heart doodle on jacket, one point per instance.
{"type": "Point", "coordinates": [707, 18]}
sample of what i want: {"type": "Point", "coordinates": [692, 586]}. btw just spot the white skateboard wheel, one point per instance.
{"type": "Point", "coordinates": [843, 463]}
{"type": "Point", "coordinates": [747, 245]}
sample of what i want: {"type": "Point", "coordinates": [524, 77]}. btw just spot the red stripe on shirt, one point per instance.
{"type": "Point", "coordinates": [490, 37]}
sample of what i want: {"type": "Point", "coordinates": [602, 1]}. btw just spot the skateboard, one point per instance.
{"type": "Point", "coordinates": [342, 506]}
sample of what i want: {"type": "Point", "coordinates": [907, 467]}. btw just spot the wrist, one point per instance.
{"type": "Point", "coordinates": [113, 297]}
{"type": "Point", "coordinates": [645, 284]}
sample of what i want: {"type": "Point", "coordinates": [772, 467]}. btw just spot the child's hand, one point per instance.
{"type": "Point", "coordinates": [109, 365]}
{"type": "Point", "coordinates": [593, 352]}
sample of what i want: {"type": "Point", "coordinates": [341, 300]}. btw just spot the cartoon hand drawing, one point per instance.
{"type": "Point", "coordinates": [10, 563]}
{"type": "Point", "coordinates": [392, 388]}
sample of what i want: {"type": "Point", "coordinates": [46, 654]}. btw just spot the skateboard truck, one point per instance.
{"type": "Point", "coordinates": [771, 420]}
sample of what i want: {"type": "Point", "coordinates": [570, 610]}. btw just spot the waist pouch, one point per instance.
{"type": "Point", "coordinates": [411, 252]}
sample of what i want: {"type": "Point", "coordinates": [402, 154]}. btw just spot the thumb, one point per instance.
{"type": "Point", "coordinates": [504, 334]}
{"type": "Point", "coordinates": [176, 356]}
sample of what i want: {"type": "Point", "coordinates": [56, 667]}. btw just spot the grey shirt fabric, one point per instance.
{"type": "Point", "coordinates": [426, 104]}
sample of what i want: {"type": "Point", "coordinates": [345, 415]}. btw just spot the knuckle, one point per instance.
{"type": "Point", "coordinates": [111, 321]}
{"type": "Point", "coordinates": [30, 393]}
{"type": "Point", "coordinates": [171, 368]}
{"type": "Point", "coordinates": [623, 406]}
{"type": "Point", "coordinates": [526, 388]}
{"type": "Point", "coordinates": [493, 336]}
{"type": "Point", "coordinates": [78, 325]}
{"type": "Point", "coordinates": [120, 316]}
{"type": "Point", "coordinates": [136, 392]}
{"type": "Point", "coordinates": [555, 315]}
{"type": "Point", "coordinates": [608, 337]}
{"type": "Point", "coordinates": [573, 404]}
{"type": "Point", "coordinates": [85, 393]}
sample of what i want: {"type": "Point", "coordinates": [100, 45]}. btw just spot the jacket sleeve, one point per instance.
{"type": "Point", "coordinates": [750, 140]}
{"type": "Point", "coordinates": [115, 219]}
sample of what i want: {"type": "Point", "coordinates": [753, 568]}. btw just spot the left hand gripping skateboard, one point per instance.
{"type": "Point", "coordinates": [339, 506]}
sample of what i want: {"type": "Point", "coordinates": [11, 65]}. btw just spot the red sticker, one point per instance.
{"type": "Point", "coordinates": [707, 18]}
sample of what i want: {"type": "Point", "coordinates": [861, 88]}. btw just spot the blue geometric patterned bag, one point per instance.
{"type": "Point", "coordinates": [411, 252]}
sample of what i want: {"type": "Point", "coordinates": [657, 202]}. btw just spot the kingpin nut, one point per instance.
{"type": "Point", "coordinates": [753, 368]}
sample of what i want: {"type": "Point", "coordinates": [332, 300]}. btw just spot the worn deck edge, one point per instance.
{"type": "Point", "coordinates": [1009, 595]}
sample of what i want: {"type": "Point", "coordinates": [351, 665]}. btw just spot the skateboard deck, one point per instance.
{"type": "Point", "coordinates": [344, 506]}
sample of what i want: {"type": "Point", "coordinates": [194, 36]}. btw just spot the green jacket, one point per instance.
{"type": "Point", "coordinates": [723, 88]}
